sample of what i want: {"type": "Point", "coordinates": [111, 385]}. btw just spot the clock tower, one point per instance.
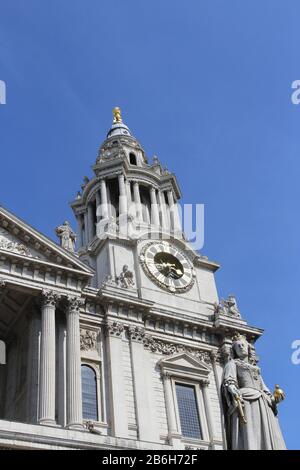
{"type": "Point", "coordinates": [122, 342]}
{"type": "Point", "coordinates": [165, 331]}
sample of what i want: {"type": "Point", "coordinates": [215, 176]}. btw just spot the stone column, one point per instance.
{"type": "Point", "coordinates": [170, 406]}
{"type": "Point", "coordinates": [62, 377]}
{"type": "Point", "coordinates": [171, 205]}
{"type": "Point", "coordinates": [213, 357]}
{"type": "Point", "coordinates": [123, 196]}
{"type": "Point", "coordinates": [104, 205]}
{"type": "Point", "coordinates": [209, 419]}
{"type": "Point", "coordinates": [48, 360]}
{"type": "Point", "coordinates": [91, 230]}
{"type": "Point", "coordinates": [117, 399]}
{"type": "Point", "coordinates": [33, 364]}
{"type": "Point", "coordinates": [98, 206]}
{"type": "Point", "coordinates": [79, 231]}
{"type": "Point", "coordinates": [137, 201]}
{"type": "Point", "coordinates": [154, 208]}
{"type": "Point", "coordinates": [173, 434]}
{"type": "Point", "coordinates": [142, 382]}
{"type": "Point", "coordinates": [74, 398]}
{"type": "Point", "coordinates": [174, 213]}
{"type": "Point", "coordinates": [162, 204]}
{"type": "Point", "coordinates": [86, 229]}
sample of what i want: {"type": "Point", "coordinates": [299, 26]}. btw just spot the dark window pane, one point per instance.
{"type": "Point", "coordinates": [188, 411]}
{"type": "Point", "coordinates": [89, 393]}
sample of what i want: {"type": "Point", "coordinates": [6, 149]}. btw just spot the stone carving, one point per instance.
{"type": "Point", "coordinates": [75, 303]}
{"type": "Point", "coordinates": [249, 406]}
{"type": "Point", "coordinates": [126, 277]}
{"type": "Point", "coordinates": [49, 297]}
{"type": "Point", "coordinates": [171, 348]}
{"type": "Point", "coordinates": [15, 247]}
{"type": "Point", "coordinates": [88, 340]}
{"type": "Point", "coordinates": [228, 307]}
{"type": "Point", "coordinates": [85, 182]}
{"type": "Point", "coordinates": [113, 328]}
{"type": "Point", "coordinates": [67, 236]}
{"type": "Point", "coordinates": [136, 333]}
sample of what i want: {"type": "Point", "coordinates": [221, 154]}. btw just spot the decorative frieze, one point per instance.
{"type": "Point", "coordinates": [162, 347]}
{"type": "Point", "coordinates": [15, 247]}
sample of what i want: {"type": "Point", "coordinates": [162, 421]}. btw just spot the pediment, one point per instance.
{"type": "Point", "coordinates": [183, 363]}
{"type": "Point", "coordinates": [19, 239]}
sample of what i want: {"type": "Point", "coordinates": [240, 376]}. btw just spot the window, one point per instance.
{"type": "Point", "coordinates": [188, 411]}
{"type": "Point", "coordinates": [132, 158]}
{"type": "Point", "coordinates": [89, 393]}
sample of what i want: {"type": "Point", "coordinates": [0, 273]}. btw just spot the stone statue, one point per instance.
{"type": "Point", "coordinates": [126, 277]}
{"type": "Point", "coordinates": [67, 236]}
{"type": "Point", "coordinates": [250, 408]}
{"type": "Point", "coordinates": [228, 307]}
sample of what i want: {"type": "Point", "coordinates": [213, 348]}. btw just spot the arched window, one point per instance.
{"type": "Point", "coordinates": [132, 158]}
{"type": "Point", "coordinates": [89, 393]}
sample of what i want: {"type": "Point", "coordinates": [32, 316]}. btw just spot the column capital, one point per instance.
{"type": "Point", "coordinates": [75, 303]}
{"type": "Point", "coordinates": [49, 298]}
{"type": "Point", "coordinates": [136, 333]}
{"type": "Point", "coordinates": [113, 328]}
{"type": "Point", "coordinates": [204, 382]}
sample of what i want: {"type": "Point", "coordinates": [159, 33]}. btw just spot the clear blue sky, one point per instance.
{"type": "Point", "coordinates": [205, 85]}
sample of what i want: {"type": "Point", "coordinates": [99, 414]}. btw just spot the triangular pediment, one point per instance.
{"type": "Point", "coordinates": [184, 362]}
{"type": "Point", "coordinates": [19, 239]}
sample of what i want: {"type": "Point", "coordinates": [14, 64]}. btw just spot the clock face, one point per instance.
{"type": "Point", "coordinates": [167, 266]}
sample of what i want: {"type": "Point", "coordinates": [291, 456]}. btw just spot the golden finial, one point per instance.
{"type": "Point", "coordinates": [117, 115]}
{"type": "Point", "coordinates": [278, 394]}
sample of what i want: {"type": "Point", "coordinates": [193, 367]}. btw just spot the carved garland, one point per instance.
{"type": "Point", "coordinates": [171, 348]}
